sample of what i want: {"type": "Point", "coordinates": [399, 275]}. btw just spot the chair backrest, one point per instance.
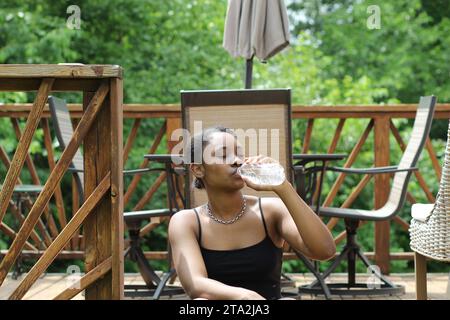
{"type": "Point", "coordinates": [64, 132]}
{"type": "Point", "coordinates": [265, 113]}
{"type": "Point", "coordinates": [419, 134]}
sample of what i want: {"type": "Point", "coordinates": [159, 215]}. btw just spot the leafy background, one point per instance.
{"type": "Point", "coordinates": [168, 46]}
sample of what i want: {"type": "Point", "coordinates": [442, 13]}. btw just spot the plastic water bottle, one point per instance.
{"type": "Point", "coordinates": [263, 173]}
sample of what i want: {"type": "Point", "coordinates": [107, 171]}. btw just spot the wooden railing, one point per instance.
{"type": "Point", "coordinates": [380, 120]}
{"type": "Point", "coordinates": [101, 214]}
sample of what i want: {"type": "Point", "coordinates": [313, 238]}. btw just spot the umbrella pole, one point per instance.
{"type": "Point", "coordinates": [248, 73]}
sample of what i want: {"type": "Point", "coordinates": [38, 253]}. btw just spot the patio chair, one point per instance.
{"type": "Point", "coordinates": [242, 109]}
{"type": "Point", "coordinates": [154, 285]}
{"type": "Point", "coordinates": [430, 229]}
{"type": "Point", "coordinates": [352, 217]}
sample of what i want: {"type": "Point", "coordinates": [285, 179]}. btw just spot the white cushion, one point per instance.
{"type": "Point", "coordinates": [421, 211]}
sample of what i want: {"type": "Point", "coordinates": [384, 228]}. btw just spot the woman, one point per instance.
{"type": "Point", "coordinates": [231, 247]}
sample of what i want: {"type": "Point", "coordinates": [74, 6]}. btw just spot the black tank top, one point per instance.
{"type": "Point", "coordinates": [257, 267]}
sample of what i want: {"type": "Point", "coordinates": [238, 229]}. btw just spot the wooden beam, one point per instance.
{"type": "Point", "coordinates": [28, 161]}
{"type": "Point", "coordinates": [434, 160]}
{"type": "Point", "coordinates": [364, 111]}
{"type": "Point", "coordinates": [20, 218]}
{"type": "Point", "coordinates": [134, 182]}
{"type": "Point", "coordinates": [130, 140]}
{"type": "Point", "coordinates": [307, 140]}
{"type": "Point", "coordinates": [62, 85]}
{"type": "Point", "coordinates": [92, 276]}
{"type": "Point", "coordinates": [61, 211]}
{"type": "Point", "coordinates": [417, 174]}
{"type": "Point", "coordinates": [402, 223]}
{"type": "Point", "coordinates": [35, 179]}
{"type": "Point", "coordinates": [75, 207]}
{"type": "Point", "coordinates": [22, 148]}
{"type": "Point", "coordinates": [149, 194]}
{"type": "Point", "coordinates": [27, 71]}
{"type": "Point", "coordinates": [351, 158]}
{"type": "Point", "coordinates": [382, 187]}
{"type": "Point", "coordinates": [351, 198]}
{"type": "Point", "coordinates": [33, 254]}
{"type": "Point", "coordinates": [54, 178]}
{"type": "Point", "coordinates": [63, 238]}
{"type": "Point", "coordinates": [18, 215]}
{"type": "Point", "coordinates": [172, 124]}
{"type": "Point", "coordinates": [99, 158]}
{"type": "Point", "coordinates": [9, 232]}
{"type": "Point", "coordinates": [148, 111]}
{"type": "Point", "coordinates": [337, 135]}
{"type": "Point", "coordinates": [154, 222]}
{"type": "Point", "coordinates": [117, 204]}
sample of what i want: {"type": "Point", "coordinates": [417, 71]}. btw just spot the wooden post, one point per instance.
{"type": "Point", "coordinates": [97, 229]}
{"type": "Point", "coordinates": [172, 125]}
{"type": "Point", "coordinates": [103, 152]}
{"type": "Point", "coordinates": [117, 225]}
{"type": "Point", "coordinates": [382, 187]}
{"type": "Point", "coordinates": [90, 180]}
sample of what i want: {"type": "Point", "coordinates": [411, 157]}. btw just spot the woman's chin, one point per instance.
{"type": "Point", "coordinates": [237, 183]}
{"type": "Point", "coordinates": [241, 184]}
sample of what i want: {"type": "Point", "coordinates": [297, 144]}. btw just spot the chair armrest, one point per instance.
{"type": "Point", "coordinates": [132, 172]}
{"type": "Point", "coordinates": [377, 170]}
{"type": "Point", "coordinates": [146, 214]}
{"type": "Point", "coordinates": [298, 168]}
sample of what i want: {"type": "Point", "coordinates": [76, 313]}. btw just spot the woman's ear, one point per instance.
{"type": "Point", "coordinates": [197, 170]}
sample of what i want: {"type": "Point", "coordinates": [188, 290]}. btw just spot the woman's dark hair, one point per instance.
{"type": "Point", "coordinates": [202, 139]}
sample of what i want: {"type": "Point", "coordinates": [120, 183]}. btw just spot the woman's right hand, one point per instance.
{"type": "Point", "coordinates": [250, 295]}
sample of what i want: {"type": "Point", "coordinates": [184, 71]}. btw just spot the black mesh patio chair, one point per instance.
{"type": "Point", "coordinates": [155, 286]}
{"type": "Point", "coordinates": [352, 217]}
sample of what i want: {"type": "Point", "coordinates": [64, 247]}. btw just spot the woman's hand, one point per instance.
{"type": "Point", "coordinates": [261, 187]}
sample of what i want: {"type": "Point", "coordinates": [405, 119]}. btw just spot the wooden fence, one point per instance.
{"type": "Point", "coordinates": [101, 214]}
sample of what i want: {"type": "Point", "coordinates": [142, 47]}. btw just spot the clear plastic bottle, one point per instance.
{"type": "Point", "coordinates": [263, 173]}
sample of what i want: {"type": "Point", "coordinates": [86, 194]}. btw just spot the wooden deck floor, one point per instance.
{"type": "Point", "coordinates": [50, 285]}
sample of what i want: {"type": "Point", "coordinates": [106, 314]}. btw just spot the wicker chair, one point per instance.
{"type": "Point", "coordinates": [430, 228]}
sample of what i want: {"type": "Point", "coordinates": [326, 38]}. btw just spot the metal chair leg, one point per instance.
{"type": "Point", "coordinates": [320, 279]}
{"type": "Point", "coordinates": [159, 290]}
{"type": "Point", "coordinates": [351, 251]}
{"type": "Point", "coordinates": [368, 264]}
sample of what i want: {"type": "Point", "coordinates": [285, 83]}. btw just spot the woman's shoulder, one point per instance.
{"type": "Point", "coordinates": [185, 215]}
{"type": "Point", "coordinates": [183, 219]}
{"type": "Point", "coordinates": [273, 206]}
{"type": "Point", "coordinates": [271, 202]}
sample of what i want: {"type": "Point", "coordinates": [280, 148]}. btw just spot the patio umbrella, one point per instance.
{"type": "Point", "coordinates": [255, 28]}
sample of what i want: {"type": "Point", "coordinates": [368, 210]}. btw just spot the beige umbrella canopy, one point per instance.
{"type": "Point", "coordinates": [255, 28]}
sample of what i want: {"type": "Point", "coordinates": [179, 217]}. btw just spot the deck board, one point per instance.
{"type": "Point", "coordinates": [50, 285]}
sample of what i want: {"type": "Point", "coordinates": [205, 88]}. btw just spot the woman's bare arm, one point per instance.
{"type": "Point", "coordinates": [190, 267]}
{"type": "Point", "coordinates": [300, 226]}
{"type": "Point", "coordinates": [296, 222]}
